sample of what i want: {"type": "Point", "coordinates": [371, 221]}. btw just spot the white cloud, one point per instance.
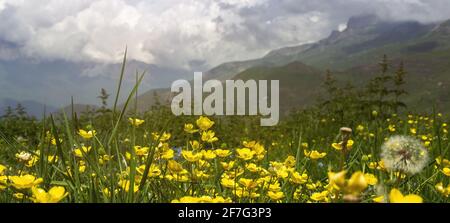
{"type": "Point", "coordinates": [342, 27]}
{"type": "Point", "coordinates": [174, 33]}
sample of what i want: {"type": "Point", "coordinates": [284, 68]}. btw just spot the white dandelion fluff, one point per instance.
{"type": "Point", "coordinates": [404, 154]}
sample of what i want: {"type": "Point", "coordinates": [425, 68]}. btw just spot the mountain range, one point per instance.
{"type": "Point", "coordinates": [352, 55]}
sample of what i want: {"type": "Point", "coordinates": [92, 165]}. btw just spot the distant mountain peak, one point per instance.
{"type": "Point", "coordinates": [443, 28]}
{"type": "Point", "coordinates": [362, 21]}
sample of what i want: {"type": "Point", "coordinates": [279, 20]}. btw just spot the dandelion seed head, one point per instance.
{"type": "Point", "coordinates": [405, 154]}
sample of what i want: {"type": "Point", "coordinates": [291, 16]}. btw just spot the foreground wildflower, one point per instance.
{"type": "Point", "coordinates": [209, 136]}
{"type": "Point", "coordinates": [446, 171]}
{"type": "Point", "coordinates": [355, 185]}
{"type": "Point", "coordinates": [338, 146]}
{"type": "Point", "coordinates": [189, 128]}
{"type": "Point", "coordinates": [298, 178]}
{"type": "Point", "coordinates": [83, 150]}
{"type": "Point", "coordinates": [395, 196]}
{"type": "Point", "coordinates": [2, 169]}
{"type": "Point", "coordinates": [174, 166]}
{"type": "Point", "coordinates": [405, 154]}
{"type": "Point", "coordinates": [163, 137]}
{"type": "Point", "coordinates": [154, 170]}
{"type": "Point", "coordinates": [445, 191]}
{"type": "Point", "coordinates": [3, 182]}
{"type": "Point", "coordinates": [54, 195]}
{"type": "Point", "coordinates": [352, 188]}
{"type": "Point", "coordinates": [202, 199]}
{"type": "Point", "coordinates": [191, 156]}
{"type": "Point", "coordinates": [320, 196]}
{"type": "Point", "coordinates": [204, 123]}
{"type": "Point", "coordinates": [222, 152]}
{"type": "Point", "coordinates": [86, 134]}
{"type": "Point", "coordinates": [141, 151]}
{"type": "Point", "coordinates": [125, 185]}
{"type": "Point", "coordinates": [135, 121]}
{"type": "Point", "coordinates": [25, 181]}
{"type": "Point", "coordinates": [371, 179]}
{"type": "Point", "coordinates": [227, 182]}
{"type": "Point", "coordinates": [245, 153]}
{"type": "Point", "coordinates": [208, 154]}
{"type": "Point", "coordinates": [275, 195]}
{"type": "Point", "coordinates": [314, 154]}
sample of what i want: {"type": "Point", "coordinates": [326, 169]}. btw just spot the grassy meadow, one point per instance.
{"type": "Point", "coordinates": [357, 144]}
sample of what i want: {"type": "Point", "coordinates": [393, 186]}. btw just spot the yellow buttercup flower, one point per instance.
{"type": "Point", "coordinates": [53, 158]}
{"type": "Point", "coordinates": [338, 146]}
{"type": "Point", "coordinates": [189, 128]}
{"type": "Point", "coordinates": [2, 169]}
{"type": "Point", "coordinates": [209, 136]}
{"type": "Point", "coordinates": [252, 167]}
{"type": "Point", "coordinates": [195, 144]}
{"type": "Point", "coordinates": [357, 183]}
{"type": "Point", "coordinates": [202, 199]}
{"type": "Point", "coordinates": [53, 141]}
{"type": "Point", "coordinates": [379, 199]}
{"type": "Point", "coordinates": [54, 195]}
{"type": "Point", "coordinates": [32, 161]}
{"type": "Point", "coordinates": [298, 178]}
{"type": "Point", "coordinates": [136, 122]}
{"type": "Point", "coordinates": [174, 166]}
{"type": "Point", "coordinates": [204, 123]}
{"type": "Point", "coordinates": [141, 151]}
{"type": "Point", "coordinates": [275, 186]}
{"type": "Point", "coordinates": [395, 196]}
{"type": "Point", "coordinates": [162, 138]}
{"type": "Point", "coordinates": [290, 161]}
{"type": "Point", "coordinates": [25, 181]}
{"type": "Point", "coordinates": [337, 180]}
{"type": "Point", "coordinates": [3, 182]}
{"type": "Point", "coordinates": [245, 153]}
{"type": "Point", "coordinates": [391, 128]}
{"type": "Point", "coordinates": [82, 167]}
{"type": "Point", "coordinates": [445, 191]}
{"type": "Point", "coordinates": [227, 182]}
{"type": "Point", "coordinates": [80, 151]}
{"type": "Point", "coordinates": [18, 196]}
{"type": "Point", "coordinates": [208, 154]}
{"type": "Point", "coordinates": [227, 166]}
{"type": "Point", "coordinates": [314, 154]}
{"type": "Point", "coordinates": [354, 186]}
{"type": "Point", "coordinates": [125, 185]}
{"type": "Point", "coordinates": [371, 179]}
{"type": "Point", "coordinates": [446, 171]}
{"type": "Point", "coordinates": [200, 174]}
{"type": "Point", "coordinates": [248, 183]}
{"type": "Point", "coordinates": [442, 162]}
{"type": "Point", "coordinates": [86, 134]}
{"type": "Point", "coordinates": [191, 156]}
{"type": "Point", "coordinates": [275, 195]}
{"type": "Point", "coordinates": [165, 136]}
{"type": "Point", "coordinates": [153, 171]}
{"type": "Point", "coordinates": [320, 196]}
{"type": "Point", "coordinates": [168, 154]}
{"type": "Point", "coordinates": [222, 152]}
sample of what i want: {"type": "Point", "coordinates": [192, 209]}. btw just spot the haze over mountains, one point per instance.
{"type": "Point", "coordinates": [352, 55]}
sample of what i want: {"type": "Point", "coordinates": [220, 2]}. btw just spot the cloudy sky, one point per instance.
{"type": "Point", "coordinates": [181, 34]}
